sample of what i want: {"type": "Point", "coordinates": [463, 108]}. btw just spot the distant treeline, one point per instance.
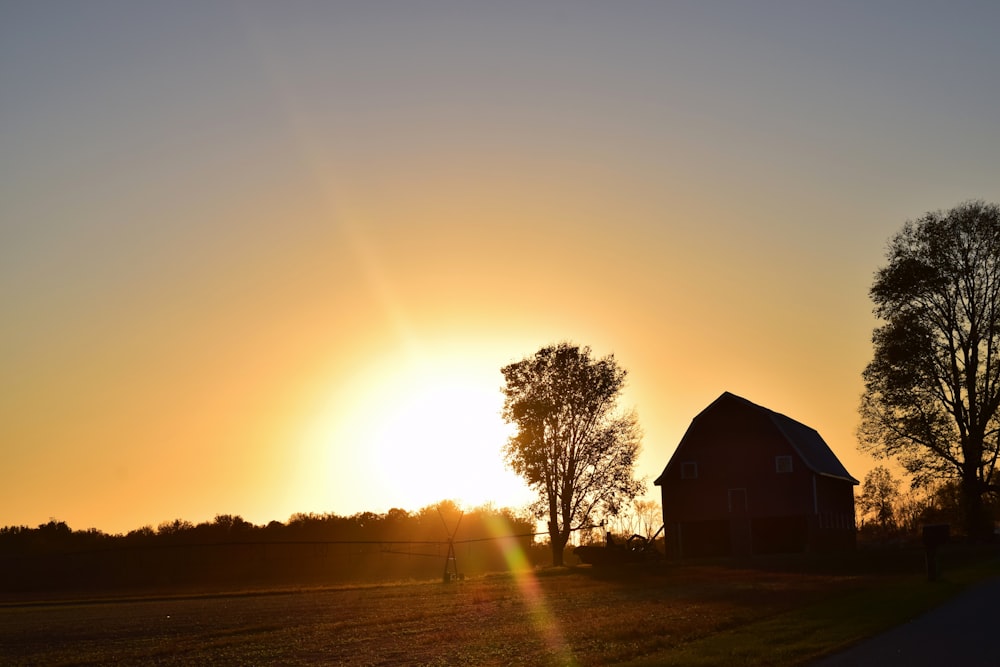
{"type": "Point", "coordinates": [310, 549]}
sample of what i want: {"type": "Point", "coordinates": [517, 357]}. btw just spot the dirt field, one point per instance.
{"type": "Point", "coordinates": [559, 617]}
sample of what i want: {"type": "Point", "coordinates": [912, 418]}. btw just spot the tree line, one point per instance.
{"type": "Point", "coordinates": [890, 513]}
{"type": "Point", "coordinates": [308, 549]}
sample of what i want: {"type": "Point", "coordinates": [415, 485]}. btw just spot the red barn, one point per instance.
{"type": "Point", "coordinates": [748, 480]}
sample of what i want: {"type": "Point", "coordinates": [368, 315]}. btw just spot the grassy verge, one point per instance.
{"type": "Point", "coordinates": [801, 635]}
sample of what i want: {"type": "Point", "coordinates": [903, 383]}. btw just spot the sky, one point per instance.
{"type": "Point", "coordinates": [268, 258]}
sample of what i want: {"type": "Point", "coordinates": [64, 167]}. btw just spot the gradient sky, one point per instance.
{"type": "Point", "coordinates": [264, 258]}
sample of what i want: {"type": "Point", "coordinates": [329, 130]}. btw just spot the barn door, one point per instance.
{"type": "Point", "coordinates": [739, 522]}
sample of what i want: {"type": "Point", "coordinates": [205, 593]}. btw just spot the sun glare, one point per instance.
{"type": "Point", "coordinates": [442, 439]}
{"type": "Point", "coordinates": [411, 435]}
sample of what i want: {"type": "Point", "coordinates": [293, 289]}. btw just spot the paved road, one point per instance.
{"type": "Point", "coordinates": [963, 632]}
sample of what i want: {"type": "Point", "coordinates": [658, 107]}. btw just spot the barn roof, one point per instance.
{"type": "Point", "coordinates": [806, 441]}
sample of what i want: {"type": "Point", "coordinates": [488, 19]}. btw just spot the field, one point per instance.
{"type": "Point", "coordinates": [556, 617]}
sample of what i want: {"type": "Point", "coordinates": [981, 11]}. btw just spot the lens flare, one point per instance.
{"type": "Point", "coordinates": [543, 620]}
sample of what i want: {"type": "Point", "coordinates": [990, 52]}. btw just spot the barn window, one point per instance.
{"type": "Point", "coordinates": [689, 470]}
{"type": "Point", "coordinates": [782, 464]}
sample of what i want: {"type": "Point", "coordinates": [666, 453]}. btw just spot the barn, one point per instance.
{"type": "Point", "coordinates": [747, 480]}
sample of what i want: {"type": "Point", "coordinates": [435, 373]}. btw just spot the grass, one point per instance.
{"type": "Point", "coordinates": [803, 634]}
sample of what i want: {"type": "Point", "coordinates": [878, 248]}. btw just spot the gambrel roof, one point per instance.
{"type": "Point", "coordinates": [807, 443]}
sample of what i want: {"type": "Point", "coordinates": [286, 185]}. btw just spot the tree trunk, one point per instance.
{"type": "Point", "coordinates": [557, 540]}
{"type": "Point", "coordinates": [975, 521]}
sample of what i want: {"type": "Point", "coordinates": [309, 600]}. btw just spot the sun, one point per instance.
{"type": "Point", "coordinates": [413, 434]}
{"type": "Point", "coordinates": [442, 439]}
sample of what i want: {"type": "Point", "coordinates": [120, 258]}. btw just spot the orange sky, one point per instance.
{"type": "Point", "coordinates": [259, 260]}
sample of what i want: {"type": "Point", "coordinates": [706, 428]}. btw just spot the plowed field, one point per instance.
{"type": "Point", "coordinates": [573, 616]}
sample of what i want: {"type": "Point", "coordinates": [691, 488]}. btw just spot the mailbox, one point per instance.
{"type": "Point", "coordinates": [934, 536]}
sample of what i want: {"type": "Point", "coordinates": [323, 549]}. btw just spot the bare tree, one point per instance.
{"type": "Point", "coordinates": [912, 509]}
{"type": "Point", "coordinates": [650, 516]}
{"type": "Point", "coordinates": [572, 445]}
{"type": "Point", "coordinates": [879, 497]}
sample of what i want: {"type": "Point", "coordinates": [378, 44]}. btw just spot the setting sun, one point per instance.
{"type": "Point", "coordinates": [441, 440]}
{"type": "Point", "coordinates": [423, 432]}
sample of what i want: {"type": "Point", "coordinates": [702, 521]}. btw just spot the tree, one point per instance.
{"type": "Point", "coordinates": [572, 444]}
{"type": "Point", "coordinates": [650, 516]}
{"type": "Point", "coordinates": [640, 517]}
{"type": "Point", "coordinates": [932, 389]}
{"type": "Point", "coordinates": [879, 495]}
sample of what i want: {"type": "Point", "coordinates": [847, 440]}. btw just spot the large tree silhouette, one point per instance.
{"type": "Point", "coordinates": [572, 444]}
{"type": "Point", "coordinates": [932, 389]}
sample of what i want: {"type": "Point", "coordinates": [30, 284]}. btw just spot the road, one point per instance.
{"type": "Point", "coordinates": [961, 632]}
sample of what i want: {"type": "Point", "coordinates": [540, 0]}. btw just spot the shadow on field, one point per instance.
{"type": "Point", "coordinates": [882, 561]}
